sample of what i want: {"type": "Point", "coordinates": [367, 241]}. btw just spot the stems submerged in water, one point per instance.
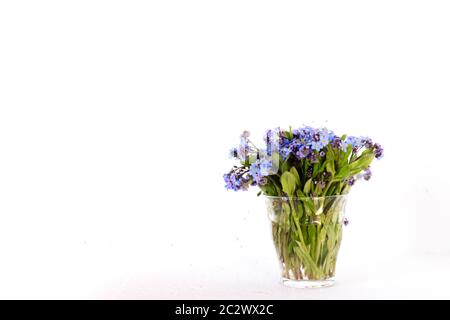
{"type": "Point", "coordinates": [307, 233]}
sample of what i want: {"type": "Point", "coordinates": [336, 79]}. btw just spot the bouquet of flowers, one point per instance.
{"type": "Point", "coordinates": [305, 175]}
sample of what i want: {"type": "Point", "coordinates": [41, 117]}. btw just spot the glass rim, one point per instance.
{"type": "Point", "coordinates": [305, 198]}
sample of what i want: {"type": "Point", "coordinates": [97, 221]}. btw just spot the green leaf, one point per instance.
{"type": "Point", "coordinates": [362, 163]}
{"type": "Point", "coordinates": [275, 185]}
{"type": "Point", "coordinates": [275, 162]}
{"type": "Point", "coordinates": [288, 183]}
{"type": "Point", "coordinates": [295, 173]}
{"type": "Point", "coordinates": [331, 190]}
{"type": "Point", "coordinates": [300, 193]}
{"type": "Point", "coordinates": [303, 254]}
{"type": "Point", "coordinates": [289, 134]}
{"type": "Point", "coordinates": [307, 187]}
{"type": "Point", "coordinates": [323, 166]}
{"type": "Point", "coordinates": [252, 158]}
{"type": "Point", "coordinates": [269, 190]}
{"type": "Point", "coordinates": [300, 210]}
{"type": "Point", "coordinates": [285, 214]}
{"type": "Point", "coordinates": [316, 168]}
{"type": "Point", "coordinates": [285, 165]}
{"type": "Point", "coordinates": [344, 157]}
{"type": "Point", "coordinates": [286, 208]}
{"type": "Point", "coordinates": [343, 173]}
{"type": "Point", "coordinates": [330, 153]}
{"type": "Point", "coordinates": [330, 167]}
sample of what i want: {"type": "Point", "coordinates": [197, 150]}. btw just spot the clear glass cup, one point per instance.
{"type": "Point", "coordinates": [307, 234]}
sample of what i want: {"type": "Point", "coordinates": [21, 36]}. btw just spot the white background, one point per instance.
{"type": "Point", "coordinates": [116, 118]}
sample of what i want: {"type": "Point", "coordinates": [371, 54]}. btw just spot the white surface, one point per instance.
{"type": "Point", "coordinates": [116, 119]}
{"type": "Point", "coordinates": [403, 278]}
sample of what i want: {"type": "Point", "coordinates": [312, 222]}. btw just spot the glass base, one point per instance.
{"type": "Point", "coordinates": [308, 284]}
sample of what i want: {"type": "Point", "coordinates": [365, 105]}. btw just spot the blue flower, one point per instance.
{"type": "Point", "coordinates": [302, 152]}
{"type": "Point", "coordinates": [265, 167]}
{"type": "Point", "coordinates": [237, 179]}
{"type": "Point", "coordinates": [306, 139]}
{"type": "Point", "coordinates": [245, 148]}
{"type": "Point", "coordinates": [355, 142]}
{"type": "Point", "coordinates": [231, 183]}
{"type": "Point", "coordinates": [367, 142]}
{"type": "Point", "coordinates": [260, 169]}
{"type": "Point", "coordinates": [321, 138]}
{"type": "Point", "coordinates": [306, 134]}
{"type": "Point", "coordinates": [316, 145]}
{"type": "Point", "coordinates": [304, 146]}
{"type": "Point", "coordinates": [272, 136]}
{"type": "Point", "coordinates": [336, 142]}
{"type": "Point", "coordinates": [272, 140]}
{"type": "Point", "coordinates": [367, 174]}
{"type": "Point", "coordinates": [313, 157]}
{"type": "Point", "coordinates": [233, 153]}
{"type": "Point", "coordinates": [284, 152]}
{"type": "Point", "coordinates": [351, 181]}
{"type": "Point", "coordinates": [379, 151]}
